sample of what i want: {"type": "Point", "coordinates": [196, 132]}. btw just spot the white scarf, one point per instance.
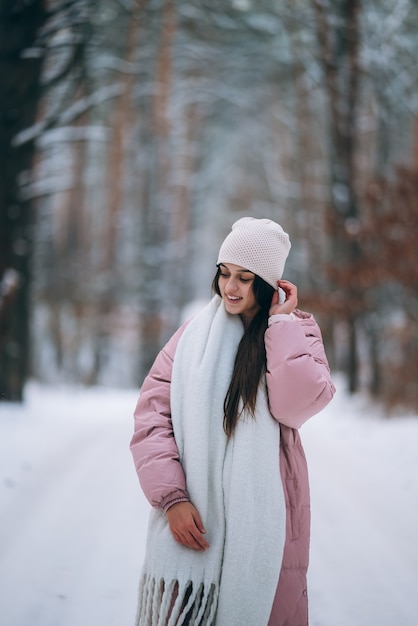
{"type": "Point", "coordinates": [235, 485]}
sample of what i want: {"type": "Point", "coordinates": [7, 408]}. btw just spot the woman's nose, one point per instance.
{"type": "Point", "coordinates": [232, 284]}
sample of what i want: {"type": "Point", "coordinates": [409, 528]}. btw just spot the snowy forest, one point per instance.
{"type": "Point", "coordinates": [133, 133]}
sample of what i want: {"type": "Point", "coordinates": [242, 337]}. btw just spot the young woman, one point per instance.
{"type": "Point", "coordinates": [217, 449]}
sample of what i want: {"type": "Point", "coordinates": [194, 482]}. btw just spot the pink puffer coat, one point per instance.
{"type": "Point", "coordinates": [299, 386]}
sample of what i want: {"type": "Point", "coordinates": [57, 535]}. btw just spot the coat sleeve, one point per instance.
{"type": "Point", "coordinates": [153, 446]}
{"type": "Point", "coordinates": [298, 378]}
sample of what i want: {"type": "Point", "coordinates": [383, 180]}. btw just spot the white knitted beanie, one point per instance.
{"type": "Point", "coordinates": [259, 245]}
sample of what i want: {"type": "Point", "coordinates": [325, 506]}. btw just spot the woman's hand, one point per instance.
{"type": "Point", "coordinates": [291, 298]}
{"type": "Point", "coordinates": [186, 526]}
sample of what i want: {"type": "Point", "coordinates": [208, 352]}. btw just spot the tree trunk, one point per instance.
{"type": "Point", "coordinates": [156, 301]}
{"type": "Point", "coordinates": [19, 97]}
{"type": "Point", "coordinates": [338, 41]}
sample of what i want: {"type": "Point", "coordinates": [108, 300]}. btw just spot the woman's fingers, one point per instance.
{"type": "Point", "coordinates": [195, 541]}
{"type": "Point", "coordinates": [186, 526]}
{"type": "Point", "coordinates": [291, 298]}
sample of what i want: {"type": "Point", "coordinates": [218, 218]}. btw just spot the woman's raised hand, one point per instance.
{"type": "Point", "coordinates": [186, 526]}
{"type": "Point", "coordinates": [291, 298]}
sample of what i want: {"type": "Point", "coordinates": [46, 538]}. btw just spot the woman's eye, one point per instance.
{"type": "Point", "coordinates": [246, 280]}
{"type": "Point", "coordinates": [223, 275]}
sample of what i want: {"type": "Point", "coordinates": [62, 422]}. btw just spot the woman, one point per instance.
{"type": "Point", "coordinates": [217, 449]}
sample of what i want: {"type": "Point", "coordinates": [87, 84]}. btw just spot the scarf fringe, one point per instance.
{"type": "Point", "coordinates": [175, 603]}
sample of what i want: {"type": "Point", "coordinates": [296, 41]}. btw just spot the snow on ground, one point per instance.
{"type": "Point", "coordinates": [73, 519]}
{"type": "Point", "coordinates": [364, 489]}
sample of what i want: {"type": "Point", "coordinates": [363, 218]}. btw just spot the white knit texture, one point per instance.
{"type": "Point", "coordinates": [258, 245]}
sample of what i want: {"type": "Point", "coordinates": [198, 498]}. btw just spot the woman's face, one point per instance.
{"type": "Point", "coordinates": [236, 287]}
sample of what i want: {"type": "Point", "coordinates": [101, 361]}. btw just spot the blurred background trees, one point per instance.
{"type": "Point", "coordinates": [149, 126]}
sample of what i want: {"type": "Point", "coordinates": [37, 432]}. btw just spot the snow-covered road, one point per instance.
{"type": "Point", "coordinates": [73, 519]}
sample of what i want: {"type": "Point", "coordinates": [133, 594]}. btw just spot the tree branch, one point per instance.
{"type": "Point", "coordinates": [73, 112]}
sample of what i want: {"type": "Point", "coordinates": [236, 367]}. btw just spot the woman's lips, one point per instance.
{"type": "Point", "coordinates": [233, 299]}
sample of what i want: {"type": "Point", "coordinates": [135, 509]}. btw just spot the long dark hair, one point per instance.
{"type": "Point", "coordinates": [250, 360]}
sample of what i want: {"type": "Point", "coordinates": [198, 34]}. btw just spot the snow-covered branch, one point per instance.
{"type": "Point", "coordinates": [84, 104]}
{"type": "Point", "coordinates": [67, 134]}
{"type": "Point", "coordinates": [46, 187]}
{"type": "Point", "coordinates": [70, 115]}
